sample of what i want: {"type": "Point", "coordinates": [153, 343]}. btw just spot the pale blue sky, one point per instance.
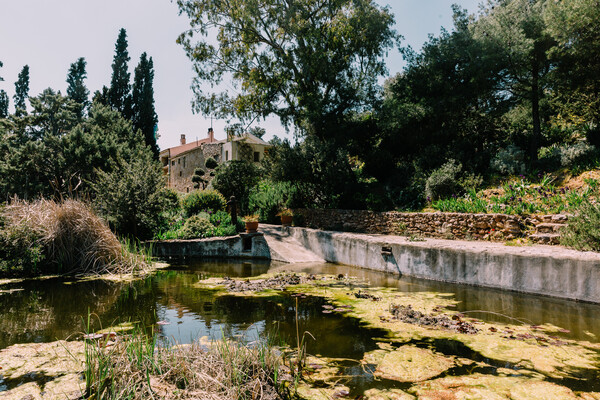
{"type": "Point", "coordinates": [49, 35]}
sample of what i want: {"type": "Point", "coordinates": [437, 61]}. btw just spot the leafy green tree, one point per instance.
{"type": "Point", "coordinates": [236, 178]}
{"type": "Point", "coordinates": [133, 195]}
{"type": "Point", "coordinates": [21, 91]}
{"type": "Point", "coordinates": [76, 90]}
{"type": "Point", "coordinates": [310, 62]}
{"type": "Point", "coordinates": [198, 178]}
{"type": "Point", "coordinates": [119, 94]}
{"type": "Point", "coordinates": [144, 115]}
{"type": "Point", "coordinates": [516, 37]}
{"type": "Point", "coordinates": [574, 25]}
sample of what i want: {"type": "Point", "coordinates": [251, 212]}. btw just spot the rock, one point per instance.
{"type": "Point", "coordinates": [409, 364]}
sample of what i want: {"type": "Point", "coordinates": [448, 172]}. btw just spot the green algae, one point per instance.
{"type": "Point", "coordinates": [531, 354]}
{"type": "Point", "coordinates": [408, 364]}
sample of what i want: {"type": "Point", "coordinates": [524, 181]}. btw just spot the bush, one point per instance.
{"type": "Point", "coordinates": [509, 161]}
{"type": "Point", "coordinates": [236, 178]}
{"type": "Point", "coordinates": [444, 181]}
{"type": "Point", "coordinates": [204, 200]}
{"type": "Point", "coordinates": [196, 227]}
{"type": "Point", "coordinates": [46, 237]}
{"type": "Point", "coordinates": [268, 198]}
{"type": "Point", "coordinates": [211, 163]}
{"type": "Point", "coordinates": [571, 155]}
{"type": "Point", "coordinates": [583, 230]}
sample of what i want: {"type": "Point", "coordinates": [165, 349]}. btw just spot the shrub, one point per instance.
{"type": "Point", "coordinates": [211, 163]}
{"type": "Point", "coordinates": [583, 230]}
{"type": "Point", "coordinates": [269, 198]}
{"type": "Point", "coordinates": [509, 161]}
{"type": "Point", "coordinates": [573, 154]}
{"type": "Point", "coordinates": [196, 227]}
{"type": "Point", "coordinates": [198, 201]}
{"type": "Point", "coordinates": [444, 181]}
{"type": "Point", "coordinates": [49, 237]}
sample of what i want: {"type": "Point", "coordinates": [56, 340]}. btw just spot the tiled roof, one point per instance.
{"type": "Point", "coordinates": [175, 151]}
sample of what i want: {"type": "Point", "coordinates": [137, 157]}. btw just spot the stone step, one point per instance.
{"type": "Point", "coordinates": [549, 227]}
{"type": "Point", "coordinates": [285, 248]}
{"type": "Point", "coordinates": [545, 238]}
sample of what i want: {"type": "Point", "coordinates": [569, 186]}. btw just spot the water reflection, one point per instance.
{"type": "Point", "coordinates": [36, 311]}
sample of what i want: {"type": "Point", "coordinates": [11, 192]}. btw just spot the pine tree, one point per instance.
{"type": "Point", "coordinates": [21, 92]}
{"type": "Point", "coordinates": [144, 115]}
{"type": "Point", "coordinates": [76, 89]}
{"type": "Point", "coordinates": [119, 92]}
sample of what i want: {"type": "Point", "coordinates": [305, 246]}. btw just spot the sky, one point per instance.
{"type": "Point", "coordinates": [49, 35]}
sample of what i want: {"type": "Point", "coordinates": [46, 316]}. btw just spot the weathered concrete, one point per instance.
{"type": "Point", "coordinates": [251, 245]}
{"type": "Point", "coordinates": [538, 269]}
{"type": "Point", "coordinates": [271, 243]}
{"type": "Point", "coordinates": [285, 248]}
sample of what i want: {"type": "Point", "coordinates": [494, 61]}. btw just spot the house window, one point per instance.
{"type": "Point", "coordinates": [217, 158]}
{"type": "Point", "coordinates": [179, 161]}
{"type": "Point", "coordinates": [226, 155]}
{"type": "Point", "coordinates": [173, 162]}
{"type": "Point", "coordinates": [187, 189]}
{"type": "Point", "coordinates": [183, 162]}
{"type": "Point", "coordinates": [256, 156]}
{"type": "Point", "coordinates": [180, 173]}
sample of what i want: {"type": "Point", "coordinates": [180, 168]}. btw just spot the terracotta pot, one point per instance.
{"type": "Point", "coordinates": [286, 220]}
{"type": "Point", "coordinates": [251, 227]}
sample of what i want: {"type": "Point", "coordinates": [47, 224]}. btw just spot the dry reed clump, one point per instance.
{"type": "Point", "coordinates": [74, 239]}
{"type": "Point", "coordinates": [135, 369]}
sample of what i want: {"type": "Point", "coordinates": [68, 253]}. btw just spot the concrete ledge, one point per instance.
{"type": "Point", "coordinates": [245, 245]}
{"type": "Point", "coordinates": [545, 270]}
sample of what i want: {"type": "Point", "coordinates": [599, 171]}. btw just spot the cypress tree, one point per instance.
{"type": "Point", "coordinates": [119, 92]}
{"type": "Point", "coordinates": [4, 100]}
{"type": "Point", "coordinates": [144, 115]}
{"type": "Point", "coordinates": [77, 91]}
{"type": "Point", "coordinates": [21, 92]}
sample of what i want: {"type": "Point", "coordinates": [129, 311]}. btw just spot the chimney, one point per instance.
{"type": "Point", "coordinates": [211, 135]}
{"type": "Point", "coordinates": [182, 138]}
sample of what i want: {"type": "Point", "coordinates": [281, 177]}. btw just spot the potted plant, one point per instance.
{"type": "Point", "coordinates": [286, 216]}
{"type": "Point", "coordinates": [251, 223]}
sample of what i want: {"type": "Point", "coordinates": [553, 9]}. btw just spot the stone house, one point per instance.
{"type": "Point", "coordinates": [180, 162]}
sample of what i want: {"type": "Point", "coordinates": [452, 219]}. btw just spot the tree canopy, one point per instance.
{"type": "Point", "coordinates": [144, 115]}
{"type": "Point", "coordinates": [22, 91]}
{"type": "Point", "coordinates": [76, 90]}
{"type": "Point", "coordinates": [119, 93]}
{"type": "Point", "coordinates": [310, 62]}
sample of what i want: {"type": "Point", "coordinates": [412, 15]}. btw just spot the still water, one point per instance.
{"type": "Point", "coordinates": [49, 310]}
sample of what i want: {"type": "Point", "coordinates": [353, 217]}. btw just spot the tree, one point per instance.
{"type": "Point", "coordinates": [4, 102]}
{"type": "Point", "coordinates": [132, 196]}
{"type": "Point", "coordinates": [516, 35]}
{"type": "Point", "coordinates": [310, 62]}
{"type": "Point", "coordinates": [144, 116]}
{"type": "Point", "coordinates": [119, 93]}
{"type": "Point", "coordinates": [198, 178]}
{"type": "Point", "coordinates": [21, 91]}
{"type": "Point", "coordinates": [574, 25]}
{"type": "Point", "coordinates": [77, 91]}
{"type": "Point", "coordinates": [236, 178]}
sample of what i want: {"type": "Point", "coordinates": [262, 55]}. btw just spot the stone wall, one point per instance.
{"type": "Point", "coordinates": [497, 227]}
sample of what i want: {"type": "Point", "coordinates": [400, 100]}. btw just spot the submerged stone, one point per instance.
{"type": "Point", "coordinates": [391, 394]}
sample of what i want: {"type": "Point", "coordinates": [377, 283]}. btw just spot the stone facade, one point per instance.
{"type": "Point", "coordinates": [497, 227]}
{"type": "Point", "coordinates": [182, 169]}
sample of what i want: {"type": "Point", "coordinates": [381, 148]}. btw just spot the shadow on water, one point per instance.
{"type": "Point", "coordinates": [54, 309]}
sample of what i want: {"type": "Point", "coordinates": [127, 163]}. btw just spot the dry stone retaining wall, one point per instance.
{"type": "Point", "coordinates": [498, 227]}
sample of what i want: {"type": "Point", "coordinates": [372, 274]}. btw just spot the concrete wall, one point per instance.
{"type": "Point", "coordinates": [545, 270]}
{"type": "Point", "coordinates": [229, 247]}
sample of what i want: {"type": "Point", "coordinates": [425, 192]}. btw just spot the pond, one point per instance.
{"type": "Point", "coordinates": [55, 309]}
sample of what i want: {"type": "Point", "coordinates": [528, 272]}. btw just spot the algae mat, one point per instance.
{"type": "Point", "coordinates": [433, 352]}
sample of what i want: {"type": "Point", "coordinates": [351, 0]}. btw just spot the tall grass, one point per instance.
{"type": "Point", "coordinates": [73, 239]}
{"type": "Point", "coordinates": [135, 367]}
